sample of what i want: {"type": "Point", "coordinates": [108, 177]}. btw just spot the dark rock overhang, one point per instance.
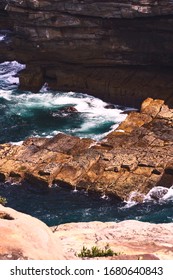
{"type": "Point", "coordinates": [121, 51]}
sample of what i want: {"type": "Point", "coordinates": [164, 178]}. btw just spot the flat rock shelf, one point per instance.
{"type": "Point", "coordinates": [132, 159]}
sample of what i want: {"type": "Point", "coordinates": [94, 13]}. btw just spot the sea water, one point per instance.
{"type": "Point", "coordinates": [45, 114]}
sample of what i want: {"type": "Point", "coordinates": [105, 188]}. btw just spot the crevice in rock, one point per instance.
{"type": "Point", "coordinates": [5, 216]}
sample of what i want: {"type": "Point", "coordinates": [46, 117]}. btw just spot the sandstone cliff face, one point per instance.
{"type": "Point", "coordinates": [121, 51]}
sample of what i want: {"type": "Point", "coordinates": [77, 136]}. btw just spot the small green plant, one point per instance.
{"type": "Point", "coordinates": [96, 252]}
{"type": "Point", "coordinates": [3, 200]}
{"type": "Point", "coordinates": [22, 168]}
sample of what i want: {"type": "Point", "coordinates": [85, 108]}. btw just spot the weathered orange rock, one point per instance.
{"type": "Point", "coordinates": [136, 159]}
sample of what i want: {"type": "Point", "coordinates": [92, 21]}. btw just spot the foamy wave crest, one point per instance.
{"type": "Point", "coordinates": [135, 197]}
{"type": "Point", "coordinates": [2, 37]}
{"type": "Point", "coordinates": [157, 194]}
{"type": "Point", "coordinates": [5, 94]}
{"type": "Point", "coordinates": [17, 143]}
{"type": "Point", "coordinates": [92, 119]}
{"type": "Point", "coordinates": [46, 113]}
{"type": "Point", "coordinates": [8, 72]}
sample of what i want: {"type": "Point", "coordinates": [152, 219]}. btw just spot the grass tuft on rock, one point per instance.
{"type": "Point", "coordinates": [97, 252]}
{"type": "Point", "coordinates": [3, 200]}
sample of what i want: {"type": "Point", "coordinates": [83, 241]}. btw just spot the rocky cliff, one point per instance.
{"type": "Point", "coordinates": [24, 237]}
{"type": "Point", "coordinates": [121, 51]}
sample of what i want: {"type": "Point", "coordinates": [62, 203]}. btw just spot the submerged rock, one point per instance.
{"type": "Point", "coordinates": [134, 158]}
{"type": "Point", "coordinates": [69, 109]}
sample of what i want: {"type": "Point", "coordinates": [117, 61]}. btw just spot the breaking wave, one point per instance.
{"type": "Point", "coordinates": [47, 113]}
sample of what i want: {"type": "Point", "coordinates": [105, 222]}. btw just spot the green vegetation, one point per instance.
{"type": "Point", "coordinates": [97, 252]}
{"type": "Point", "coordinates": [22, 168]}
{"type": "Point", "coordinates": [3, 200]}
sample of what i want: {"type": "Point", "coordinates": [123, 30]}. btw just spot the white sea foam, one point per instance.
{"type": "Point", "coordinates": [169, 194]}
{"type": "Point", "coordinates": [8, 74]}
{"type": "Point", "coordinates": [105, 197]}
{"type": "Point", "coordinates": [2, 38]}
{"type": "Point", "coordinates": [6, 94]}
{"type": "Point", "coordinates": [157, 194]}
{"type": "Point", "coordinates": [93, 114]}
{"type": "Point", "coordinates": [131, 200]}
{"type": "Point", "coordinates": [10, 68]}
{"type": "Point", "coordinates": [17, 143]}
{"type": "Point", "coordinates": [94, 120]}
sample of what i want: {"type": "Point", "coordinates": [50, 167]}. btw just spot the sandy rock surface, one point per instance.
{"type": "Point", "coordinates": [132, 239]}
{"type": "Point", "coordinates": [24, 237]}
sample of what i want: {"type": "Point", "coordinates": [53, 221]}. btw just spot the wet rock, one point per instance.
{"type": "Point", "coordinates": [69, 109]}
{"type": "Point", "coordinates": [2, 177]}
{"type": "Point", "coordinates": [157, 193]}
{"type": "Point", "coordinates": [31, 79]}
{"type": "Point", "coordinates": [110, 106]}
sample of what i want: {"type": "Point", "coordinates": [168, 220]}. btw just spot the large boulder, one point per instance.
{"type": "Point", "coordinates": [25, 237]}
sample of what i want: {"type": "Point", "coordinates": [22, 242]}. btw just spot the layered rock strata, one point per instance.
{"type": "Point", "coordinates": [135, 157]}
{"type": "Point", "coordinates": [121, 51]}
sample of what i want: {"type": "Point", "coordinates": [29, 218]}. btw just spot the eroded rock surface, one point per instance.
{"type": "Point", "coordinates": [132, 239]}
{"type": "Point", "coordinates": [132, 159]}
{"type": "Point", "coordinates": [24, 237]}
{"type": "Point", "coordinates": [121, 51]}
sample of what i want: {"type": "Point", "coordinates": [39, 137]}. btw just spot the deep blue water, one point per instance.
{"type": "Point", "coordinates": [24, 114]}
{"type": "Point", "coordinates": [64, 205]}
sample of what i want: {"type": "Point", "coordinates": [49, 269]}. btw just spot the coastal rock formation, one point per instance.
{"type": "Point", "coordinates": [24, 237]}
{"type": "Point", "coordinates": [120, 51]}
{"type": "Point", "coordinates": [132, 239]}
{"type": "Point", "coordinates": [128, 162]}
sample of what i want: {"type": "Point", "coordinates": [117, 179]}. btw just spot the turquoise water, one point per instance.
{"type": "Point", "coordinates": [25, 114]}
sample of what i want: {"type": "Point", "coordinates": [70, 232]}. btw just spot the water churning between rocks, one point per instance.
{"type": "Point", "coordinates": [60, 205]}
{"type": "Point", "coordinates": [44, 114]}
